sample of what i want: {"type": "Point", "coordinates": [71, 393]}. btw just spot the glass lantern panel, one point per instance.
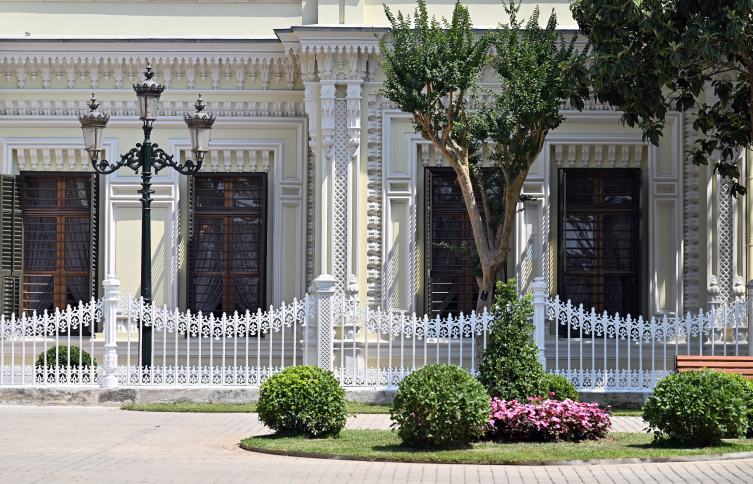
{"type": "Point", "coordinates": [152, 104]}
{"type": "Point", "coordinates": [203, 136]}
{"type": "Point", "coordinates": [90, 137]}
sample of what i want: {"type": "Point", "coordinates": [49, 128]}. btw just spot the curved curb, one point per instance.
{"type": "Point", "coordinates": [588, 462]}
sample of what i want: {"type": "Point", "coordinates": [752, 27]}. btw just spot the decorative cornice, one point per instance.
{"type": "Point", "coordinates": [84, 70]}
{"type": "Point", "coordinates": [166, 108]}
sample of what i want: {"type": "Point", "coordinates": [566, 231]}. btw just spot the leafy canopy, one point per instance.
{"type": "Point", "coordinates": [653, 56]}
{"type": "Point", "coordinates": [431, 71]}
{"type": "Point", "coordinates": [429, 61]}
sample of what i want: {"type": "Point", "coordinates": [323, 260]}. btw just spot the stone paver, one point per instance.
{"type": "Point", "coordinates": [95, 444]}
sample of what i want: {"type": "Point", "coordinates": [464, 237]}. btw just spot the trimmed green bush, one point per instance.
{"type": "Point", "coordinates": [560, 386]}
{"type": "Point", "coordinates": [511, 369]}
{"type": "Point", "coordinates": [440, 406]}
{"type": "Point", "coordinates": [61, 352]}
{"type": "Point", "coordinates": [303, 400]}
{"type": "Point", "coordinates": [698, 408]}
{"type": "Point", "coordinates": [748, 391]}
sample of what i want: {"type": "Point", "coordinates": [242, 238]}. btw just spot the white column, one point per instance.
{"type": "Point", "coordinates": [111, 286]}
{"type": "Point", "coordinates": [353, 99]}
{"type": "Point", "coordinates": [539, 291]}
{"type": "Point", "coordinates": [324, 287]}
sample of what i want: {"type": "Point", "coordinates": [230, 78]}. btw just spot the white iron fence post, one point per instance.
{"type": "Point", "coordinates": [324, 287]}
{"type": "Point", "coordinates": [539, 290]}
{"type": "Point", "coordinates": [111, 286]}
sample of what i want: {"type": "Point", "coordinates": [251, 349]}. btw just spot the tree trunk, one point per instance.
{"type": "Point", "coordinates": [487, 283]}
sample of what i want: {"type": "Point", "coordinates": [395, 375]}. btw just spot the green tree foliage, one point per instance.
{"type": "Point", "coordinates": [653, 56]}
{"type": "Point", "coordinates": [431, 70]}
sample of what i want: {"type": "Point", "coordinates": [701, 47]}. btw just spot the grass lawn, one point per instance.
{"type": "Point", "coordinates": [235, 407]}
{"type": "Point", "coordinates": [385, 445]}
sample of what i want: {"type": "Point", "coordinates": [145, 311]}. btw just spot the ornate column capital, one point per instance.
{"type": "Point", "coordinates": [327, 94]}
{"type": "Point", "coordinates": [353, 99]}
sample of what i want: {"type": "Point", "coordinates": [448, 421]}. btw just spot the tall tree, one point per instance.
{"type": "Point", "coordinates": [653, 56]}
{"type": "Point", "coordinates": [431, 71]}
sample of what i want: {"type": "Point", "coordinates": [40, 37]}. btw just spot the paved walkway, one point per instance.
{"type": "Point", "coordinates": [95, 444]}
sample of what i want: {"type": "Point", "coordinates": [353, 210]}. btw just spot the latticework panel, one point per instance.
{"type": "Point", "coordinates": [340, 198]}
{"type": "Point", "coordinates": [725, 243]}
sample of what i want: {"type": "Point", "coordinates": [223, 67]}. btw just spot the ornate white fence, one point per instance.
{"type": "Point", "coordinates": [377, 348]}
{"type": "Point", "coordinates": [363, 346]}
{"type": "Point", "coordinates": [598, 352]}
{"type": "Point", "coordinates": [204, 350]}
{"type": "Point", "coordinates": [25, 341]}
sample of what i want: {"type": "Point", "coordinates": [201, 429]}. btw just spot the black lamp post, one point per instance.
{"type": "Point", "coordinates": [146, 156]}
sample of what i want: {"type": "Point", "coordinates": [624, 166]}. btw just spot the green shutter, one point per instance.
{"type": "Point", "coordinates": [94, 235]}
{"type": "Point", "coordinates": [11, 244]}
{"type": "Point", "coordinates": [427, 242]}
{"type": "Point", "coordinates": [189, 242]}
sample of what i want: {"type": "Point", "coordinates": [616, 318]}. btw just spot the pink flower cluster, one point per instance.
{"type": "Point", "coordinates": [547, 420]}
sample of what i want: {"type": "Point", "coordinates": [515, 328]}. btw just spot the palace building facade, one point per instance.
{"type": "Point", "coordinates": [311, 171]}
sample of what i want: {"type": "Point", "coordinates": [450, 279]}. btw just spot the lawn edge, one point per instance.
{"type": "Point", "coordinates": [623, 460]}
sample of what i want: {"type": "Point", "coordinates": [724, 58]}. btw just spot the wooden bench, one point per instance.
{"type": "Point", "coordinates": [728, 364]}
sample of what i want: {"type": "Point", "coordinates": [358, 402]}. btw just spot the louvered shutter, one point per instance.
{"type": "Point", "coordinates": [11, 244]}
{"type": "Point", "coordinates": [427, 242]}
{"type": "Point", "coordinates": [189, 241]}
{"type": "Point", "coordinates": [94, 235]}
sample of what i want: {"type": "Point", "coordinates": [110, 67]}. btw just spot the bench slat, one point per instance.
{"type": "Point", "coordinates": [714, 364]}
{"type": "Point", "coordinates": [741, 365]}
{"type": "Point", "coordinates": [713, 358]}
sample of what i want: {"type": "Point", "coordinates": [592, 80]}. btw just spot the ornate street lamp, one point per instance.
{"type": "Point", "coordinates": [144, 157]}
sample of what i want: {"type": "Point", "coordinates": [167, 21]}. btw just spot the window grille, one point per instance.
{"type": "Point", "coordinates": [599, 239]}
{"type": "Point", "coordinates": [450, 286]}
{"type": "Point", "coordinates": [59, 214]}
{"type": "Point", "coordinates": [227, 263]}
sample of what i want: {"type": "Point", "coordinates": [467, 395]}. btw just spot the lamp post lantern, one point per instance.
{"type": "Point", "coordinates": [144, 157]}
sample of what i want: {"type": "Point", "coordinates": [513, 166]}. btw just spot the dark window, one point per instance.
{"type": "Point", "coordinates": [451, 288]}
{"type": "Point", "coordinates": [228, 248]}
{"type": "Point", "coordinates": [59, 263]}
{"type": "Point", "coordinates": [599, 239]}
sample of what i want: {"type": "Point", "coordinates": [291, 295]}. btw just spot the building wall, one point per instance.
{"type": "Point", "coordinates": [296, 84]}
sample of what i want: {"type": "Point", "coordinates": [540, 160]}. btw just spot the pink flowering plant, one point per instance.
{"type": "Point", "coordinates": [548, 420]}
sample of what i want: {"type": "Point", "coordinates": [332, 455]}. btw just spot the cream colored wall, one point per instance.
{"type": "Point", "coordinates": [148, 19]}
{"type": "Point", "coordinates": [128, 219]}
{"type": "Point", "coordinates": [484, 13]}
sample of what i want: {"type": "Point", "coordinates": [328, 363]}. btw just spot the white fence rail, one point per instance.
{"type": "Point", "coordinates": [25, 341]}
{"type": "Point", "coordinates": [365, 347]}
{"type": "Point", "coordinates": [204, 350]}
{"type": "Point", "coordinates": [377, 348]}
{"type": "Point", "coordinates": [598, 352]}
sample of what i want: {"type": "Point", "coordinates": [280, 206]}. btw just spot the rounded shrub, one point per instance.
{"type": "Point", "coordinates": [558, 388]}
{"type": "Point", "coordinates": [440, 406]}
{"type": "Point", "coordinates": [303, 400]}
{"type": "Point", "coordinates": [698, 407]}
{"type": "Point", "coordinates": [58, 355]}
